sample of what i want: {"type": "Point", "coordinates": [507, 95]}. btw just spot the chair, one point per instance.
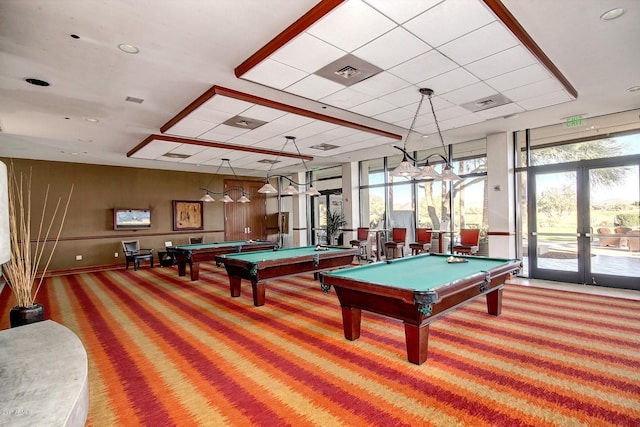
{"type": "Point", "coordinates": [133, 253]}
{"type": "Point", "coordinates": [607, 240]}
{"type": "Point", "coordinates": [633, 243]}
{"type": "Point", "coordinates": [423, 243]}
{"type": "Point", "coordinates": [623, 239]}
{"type": "Point", "coordinates": [166, 259]}
{"type": "Point", "coordinates": [469, 242]}
{"type": "Point", "coordinates": [398, 237]}
{"type": "Point", "coordinates": [362, 242]}
{"type": "Point", "coordinates": [195, 240]}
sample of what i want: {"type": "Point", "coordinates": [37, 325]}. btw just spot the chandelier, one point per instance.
{"type": "Point", "coordinates": [208, 196]}
{"type": "Point", "coordinates": [291, 189]}
{"type": "Point", "coordinates": [407, 169]}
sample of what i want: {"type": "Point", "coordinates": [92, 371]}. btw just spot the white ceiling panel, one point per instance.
{"type": "Point", "coordinates": [373, 108]}
{"type": "Point", "coordinates": [424, 67]}
{"type": "Point", "coordinates": [346, 98]}
{"type": "Point", "coordinates": [452, 80]}
{"type": "Point", "coordinates": [226, 104]}
{"type": "Point", "coordinates": [351, 36]}
{"type": "Point", "coordinates": [275, 74]}
{"type": "Point", "coordinates": [544, 100]}
{"type": "Point", "coordinates": [479, 44]}
{"type": "Point", "coordinates": [469, 93]}
{"type": "Point", "coordinates": [532, 91]}
{"type": "Point", "coordinates": [307, 53]}
{"type": "Point", "coordinates": [314, 87]}
{"type": "Point", "coordinates": [384, 53]}
{"type": "Point", "coordinates": [156, 149]}
{"type": "Point", "coordinates": [380, 85]}
{"type": "Point", "coordinates": [402, 11]}
{"type": "Point", "coordinates": [501, 111]}
{"type": "Point", "coordinates": [500, 63]}
{"type": "Point", "coordinates": [449, 20]}
{"type": "Point", "coordinates": [522, 77]}
{"type": "Point", "coordinates": [188, 149]}
{"type": "Point", "coordinates": [265, 114]}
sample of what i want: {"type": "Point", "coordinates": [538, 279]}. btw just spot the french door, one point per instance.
{"type": "Point", "coordinates": [584, 223]}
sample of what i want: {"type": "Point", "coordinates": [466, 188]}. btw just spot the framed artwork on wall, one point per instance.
{"type": "Point", "coordinates": [187, 215]}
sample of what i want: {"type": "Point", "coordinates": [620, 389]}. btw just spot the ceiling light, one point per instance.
{"type": "Point", "coordinates": [634, 89]}
{"type": "Point", "coordinates": [134, 99]}
{"type": "Point", "coordinates": [407, 169]}
{"type": "Point", "coordinates": [612, 14]}
{"type": "Point", "coordinates": [128, 48]}
{"type": "Point", "coordinates": [226, 198]}
{"type": "Point", "coordinates": [92, 120]}
{"type": "Point", "coordinates": [267, 188]}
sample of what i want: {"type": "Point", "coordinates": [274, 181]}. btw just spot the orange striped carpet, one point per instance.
{"type": "Point", "coordinates": [167, 351]}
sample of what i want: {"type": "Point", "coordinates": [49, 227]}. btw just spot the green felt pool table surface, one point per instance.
{"type": "Point", "coordinates": [288, 253]}
{"type": "Point", "coordinates": [420, 273]}
{"type": "Point", "coordinates": [196, 246]}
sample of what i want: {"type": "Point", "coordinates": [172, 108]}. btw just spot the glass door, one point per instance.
{"type": "Point", "coordinates": [584, 225]}
{"type": "Point", "coordinates": [614, 226]}
{"type": "Point", "coordinates": [553, 228]}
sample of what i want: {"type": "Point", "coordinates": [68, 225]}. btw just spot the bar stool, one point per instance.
{"type": "Point", "coordinates": [362, 242]}
{"type": "Point", "coordinates": [423, 244]}
{"type": "Point", "coordinates": [398, 237]}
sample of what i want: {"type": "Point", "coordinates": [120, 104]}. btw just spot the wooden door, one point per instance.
{"type": "Point", "coordinates": [244, 221]}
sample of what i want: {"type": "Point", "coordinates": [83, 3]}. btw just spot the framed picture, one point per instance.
{"type": "Point", "coordinates": [187, 215]}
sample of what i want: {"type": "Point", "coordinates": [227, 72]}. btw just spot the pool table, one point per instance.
{"type": "Point", "coordinates": [417, 290]}
{"type": "Point", "coordinates": [202, 252]}
{"type": "Point", "coordinates": [258, 267]}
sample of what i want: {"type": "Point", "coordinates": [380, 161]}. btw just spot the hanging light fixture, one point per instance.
{"type": "Point", "coordinates": [226, 198]}
{"type": "Point", "coordinates": [407, 169]}
{"type": "Point", "coordinates": [291, 189]}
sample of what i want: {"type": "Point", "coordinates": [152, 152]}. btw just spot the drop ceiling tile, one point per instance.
{"type": "Point", "coordinates": [402, 11]}
{"type": "Point", "coordinates": [523, 76]}
{"type": "Point", "coordinates": [449, 20]}
{"type": "Point", "coordinates": [312, 129]}
{"type": "Point", "coordinates": [532, 91]}
{"type": "Point", "coordinates": [204, 156]}
{"type": "Point", "coordinates": [226, 104]}
{"type": "Point", "coordinates": [395, 115]}
{"type": "Point", "coordinates": [274, 74]}
{"type": "Point", "coordinates": [314, 87]}
{"type": "Point", "coordinates": [351, 36]}
{"type": "Point", "coordinates": [502, 62]}
{"type": "Point", "coordinates": [155, 149]}
{"type": "Point", "coordinates": [223, 133]}
{"type": "Point", "coordinates": [275, 142]}
{"type": "Point", "coordinates": [469, 93]}
{"type": "Point", "coordinates": [392, 48]}
{"type": "Point", "coordinates": [501, 111]}
{"type": "Point", "coordinates": [372, 107]}
{"type": "Point", "coordinates": [307, 53]}
{"type": "Point", "coordinates": [346, 98]}
{"type": "Point", "coordinates": [425, 66]}
{"type": "Point", "coordinates": [188, 149]}
{"type": "Point", "coordinates": [461, 121]}
{"type": "Point", "coordinates": [265, 114]}
{"type": "Point", "coordinates": [451, 112]}
{"type": "Point", "coordinates": [380, 85]}
{"type": "Point", "coordinates": [293, 120]}
{"type": "Point", "coordinates": [479, 44]}
{"type": "Point", "coordinates": [451, 80]}
{"type": "Point", "coordinates": [188, 132]}
{"type": "Point", "coordinates": [545, 100]}
{"type": "Point", "coordinates": [403, 97]}
{"type": "Point", "coordinates": [212, 116]}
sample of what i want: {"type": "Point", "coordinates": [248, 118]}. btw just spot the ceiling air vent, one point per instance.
{"type": "Point", "coordinates": [486, 103]}
{"type": "Point", "coordinates": [176, 156]}
{"type": "Point", "coordinates": [134, 99]}
{"type": "Point", "coordinates": [269, 161]}
{"type": "Point", "coordinates": [324, 147]}
{"type": "Point", "coordinates": [348, 70]}
{"type": "Point", "coordinates": [244, 122]}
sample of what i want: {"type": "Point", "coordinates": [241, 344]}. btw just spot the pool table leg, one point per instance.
{"type": "Point", "coordinates": [234, 285]}
{"type": "Point", "coordinates": [494, 302]}
{"type": "Point", "coordinates": [351, 319]}
{"type": "Point", "coordinates": [259, 290]}
{"type": "Point", "coordinates": [195, 270]}
{"type": "Point", "coordinates": [417, 342]}
{"type": "Point", "coordinates": [182, 268]}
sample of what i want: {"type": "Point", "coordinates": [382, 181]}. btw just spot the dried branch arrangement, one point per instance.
{"type": "Point", "coordinates": [22, 271]}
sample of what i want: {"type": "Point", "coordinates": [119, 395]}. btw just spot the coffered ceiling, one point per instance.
{"type": "Point", "coordinates": [230, 79]}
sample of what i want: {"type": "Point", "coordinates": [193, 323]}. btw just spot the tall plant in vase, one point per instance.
{"type": "Point", "coordinates": [335, 222]}
{"type": "Point", "coordinates": [23, 273]}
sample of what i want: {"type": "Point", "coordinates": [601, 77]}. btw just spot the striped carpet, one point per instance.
{"type": "Point", "coordinates": [167, 351]}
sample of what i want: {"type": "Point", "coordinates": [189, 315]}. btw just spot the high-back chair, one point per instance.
{"type": "Point", "coordinates": [362, 242]}
{"type": "Point", "coordinates": [398, 238]}
{"type": "Point", "coordinates": [423, 241]}
{"type": "Point", "coordinates": [469, 242]}
{"type": "Point", "coordinates": [133, 253]}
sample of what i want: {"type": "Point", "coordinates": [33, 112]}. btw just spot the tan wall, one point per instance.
{"type": "Point", "coordinates": [88, 230]}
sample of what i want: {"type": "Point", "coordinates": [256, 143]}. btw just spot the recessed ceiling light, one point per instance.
{"type": "Point", "coordinates": [92, 120]}
{"type": "Point", "coordinates": [36, 82]}
{"type": "Point", "coordinates": [128, 48]}
{"type": "Point", "coordinates": [84, 140]}
{"type": "Point", "coordinates": [612, 14]}
{"type": "Point", "coordinates": [634, 88]}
